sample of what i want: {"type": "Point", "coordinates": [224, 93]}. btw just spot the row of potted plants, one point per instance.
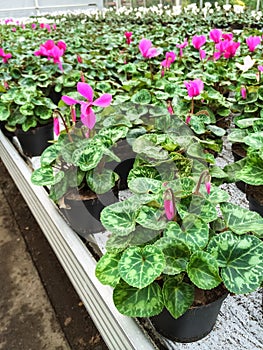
{"type": "Point", "coordinates": [149, 120]}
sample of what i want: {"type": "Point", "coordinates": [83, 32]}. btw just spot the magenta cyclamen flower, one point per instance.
{"type": "Point", "coordinates": [128, 36]}
{"type": "Point", "coordinates": [51, 50]}
{"type": "Point", "coordinates": [194, 87]}
{"type": "Point", "coordinates": [208, 187]}
{"type": "Point", "coordinates": [243, 92]}
{"type": "Point", "coordinates": [5, 56]}
{"type": "Point", "coordinates": [226, 48]}
{"type": "Point", "coordinates": [56, 126]}
{"type": "Point", "coordinates": [87, 116]}
{"type": "Point", "coordinates": [147, 50]}
{"type": "Point", "coordinates": [253, 42]}
{"type": "Point", "coordinates": [260, 68]}
{"type": "Point", "coordinates": [198, 41]}
{"type": "Point", "coordinates": [227, 36]}
{"type": "Point", "coordinates": [169, 59]}
{"type": "Point", "coordinates": [169, 205]}
{"type": "Point", "coordinates": [215, 35]}
{"type": "Point", "coordinates": [202, 54]}
{"type": "Point", "coordinates": [182, 46]}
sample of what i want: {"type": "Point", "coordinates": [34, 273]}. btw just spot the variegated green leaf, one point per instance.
{"type": "Point", "coordinates": [134, 302]}
{"type": "Point", "coordinates": [46, 176]}
{"type": "Point", "coordinates": [182, 187]}
{"type": "Point", "coordinates": [152, 218]}
{"type": "Point", "coordinates": [203, 270]}
{"type": "Point", "coordinates": [147, 146]}
{"type": "Point", "coordinates": [145, 185]}
{"type": "Point", "coordinates": [254, 140]}
{"type": "Point", "coordinates": [237, 135]}
{"type": "Point", "coordinates": [50, 154]}
{"type": "Point", "coordinates": [114, 133]}
{"type": "Point", "coordinates": [142, 235]}
{"type": "Point", "coordinates": [143, 171]}
{"type": "Point", "coordinates": [139, 267]}
{"type": "Point", "coordinates": [252, 171]}
{"type": "Point", "coordinates": [216, 195]}
{"type": "Point", "coordinates": [87, 159]}
{"type": "Point", "coordinates": [101, 182]}
{"type": "Point", "coordinates": [194, 232]}
{"type": "Point", "coordinates": [199, 206]}
{"type": "Point", "coordinates": [241, 260]}
{"type": "Point", "coordinates": [178, 297]}
{"type": "Point", "coordinates": [241, 220]}
{"type": "Point", "coordinates": [107, 269]}
{"type": "Point", "coordinates": [176, 255]}
{"type": "Point", "coordinates": [139, 236]}
{"type": "Point", "coordinates": [120, 218]}
{"type": "Point", "coordinates": [245, 123]}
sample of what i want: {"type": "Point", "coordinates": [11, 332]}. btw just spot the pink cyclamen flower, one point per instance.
{"type": "Point", "coordinates": [128, 36]}
{"type": "Point", "coordinates": [5, 56]}
{"type": "Point", "coordinates": [198, 41]}
{"type": "Point", "coordinates": [6, 85]}
{"type": "Point", "coordinates": [146, 49]}
{"type": "Point", "coordinates": [260, 68]}
{"type": "Point", "coordinates": [202, 54]}
{"type": "Point", "coordinates": [169, 209]}
{"type": "Point", "coordinates": [47, 26]}
{"type": "Point", "coordinates": [188, 119]}
{"type": "Point", "coordinates": [13, 29]}
{"type": "Point", "coordinates": [231, 49]}
{"type": "Point", "coordinates": [194, 87]}
{"type": "Point", "coordinates": [208, 187]}
{"type": "Point", "coordinates": [227, 36]}
{"type": "Point", "coordinates": [87, 116]}
{"type": "Point", "coordinates": [51, 50]}
{"type": "Point", "coordinates": [33, 25]}
{"type": "Point", "coordinates": [243, 92]}
{"type": "Point", "coordinates": [79, 59]}
{"type": "Point", "coordinates": [56, 126]}
{"type": "Point", "coordinates": [169, 59]}
{"type": "Point", "coordinates": [226, 48]}
{"type": "Point", "coordinates": [54, 26]}
{"type": "Point", "coordinates": [182, 46]}
{"type": "Point", "coordinates": [42, 25]}
{"type": "Point", "coordinates": [215, 35]}
{"type": "Point", "coordinates": [253, 42]}
{"type": "Point", "coordinates": [169, 205]}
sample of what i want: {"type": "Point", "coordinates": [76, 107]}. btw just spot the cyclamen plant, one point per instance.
{"type": "Point", "coordinates": [159, 254]}
{"type": "Point", "coordinates": [51, 50]}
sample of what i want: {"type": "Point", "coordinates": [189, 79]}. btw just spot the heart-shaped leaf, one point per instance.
{"type": "Point", "coordinates": [139, 267]}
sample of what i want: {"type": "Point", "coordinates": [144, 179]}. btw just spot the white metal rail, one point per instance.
{"type": "Point", "coordinates": [119, 332]}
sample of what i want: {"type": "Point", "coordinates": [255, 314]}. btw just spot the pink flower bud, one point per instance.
{"type": "Point", "coordinates": [243, 92]}
{"type": "Point", "coordinates": [208, 187]}
{"type": "Point", "coordinates": [79, 59]}
{"type": "Point", "coordinates": [56, 126]}
{"type": "Point", "coordinates": [187, 120]}
{"type": "Point", "coordinates": [169, 209]}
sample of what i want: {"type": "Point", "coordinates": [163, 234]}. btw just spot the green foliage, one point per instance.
{"type": "Point", "coordinates": [197, 249]}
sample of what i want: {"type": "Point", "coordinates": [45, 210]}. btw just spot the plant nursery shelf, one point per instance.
{"type": "Point", "coordinates": [239, 324]}
{"type": "Point", "coordinates": [119, 332]}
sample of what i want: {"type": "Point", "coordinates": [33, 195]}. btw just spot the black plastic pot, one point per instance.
{"type": "Point", "coordinates": [8, 134]}
{"type": "Point", "coordinates": [35, 140]}
{"type": "Point", "coordinates": [254, 196]}
{"type": "Point", "coordinates": [125, 153]}
{"type": "Point", "coordinates": [83, 216]}
{"type": "Point", "coordinates": [194, 324]}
